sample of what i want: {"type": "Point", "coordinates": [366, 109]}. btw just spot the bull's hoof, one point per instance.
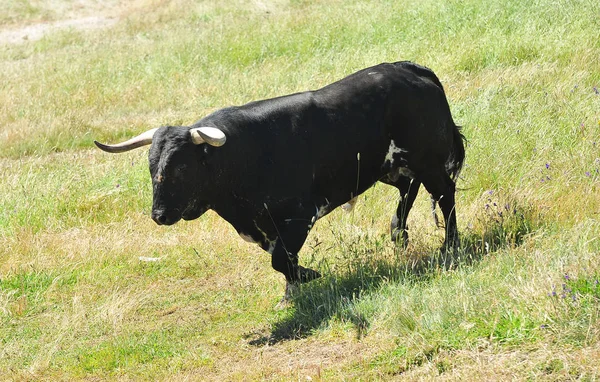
{"type": "Point", "coordinates": [304, 275]}
{"type": "Point", "coordinates": [283, 304]}
{"type": "Point", "coordinates": [400, 237]}
{"type": "Point", "coordinates": [452, 248]}
{"type": "Point", "coordinates": [307, 274]}
{"type": "Point", "coordinates": [286, 301]}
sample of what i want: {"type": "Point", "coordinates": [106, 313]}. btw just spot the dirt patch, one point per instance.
{"type": "Point", "coordinates": [37, 31]}
{"type": "Point", "coordinates": [300, 360]}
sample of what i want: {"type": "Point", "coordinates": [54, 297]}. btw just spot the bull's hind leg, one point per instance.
{"type": "Point", "coordinates": [442, 188]}
{"type": "Point", "coordinates": [409, 188]}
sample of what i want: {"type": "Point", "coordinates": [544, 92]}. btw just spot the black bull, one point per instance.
{"type": "Point", "coordinates": [272, 168]}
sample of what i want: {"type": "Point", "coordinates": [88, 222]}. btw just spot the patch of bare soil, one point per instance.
{"type": "Point", "coordinates": [37, 31]}
{"type": "Point", "coordinates": [301, 360]}
{"type": "Point", "coordinates": [48, 16]}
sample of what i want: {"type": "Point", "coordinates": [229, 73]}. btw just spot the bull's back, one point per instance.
{"type": "Point", "coordinates": [332, 140]}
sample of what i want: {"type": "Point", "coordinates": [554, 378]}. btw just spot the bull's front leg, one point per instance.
{"type": "Point", "coordinates": [284, 254]}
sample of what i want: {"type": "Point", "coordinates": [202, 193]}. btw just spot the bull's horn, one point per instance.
{"type": "Point", "coordinates": [210, 135]}
{"type": "Point", "coordinates": [135, 142]}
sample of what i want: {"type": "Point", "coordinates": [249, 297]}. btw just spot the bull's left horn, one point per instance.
{"type": "Point", "coordinates": [210, 135]}
{"type": "Point", "coordinates": [135, 142]}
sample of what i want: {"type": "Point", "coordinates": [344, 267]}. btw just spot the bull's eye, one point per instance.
{"type": "Point", "coordinates": [179, 170]}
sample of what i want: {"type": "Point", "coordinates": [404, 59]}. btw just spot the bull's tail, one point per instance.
{"type": "Point", "coordinates": [453, 165]}
{"type": "Point", "coordinates": [457, 156]}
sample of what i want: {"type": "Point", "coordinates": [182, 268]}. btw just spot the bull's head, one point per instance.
{"type": "Point", "coordinates": [175, 162]}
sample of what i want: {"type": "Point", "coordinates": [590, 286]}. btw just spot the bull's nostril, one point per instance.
{"type": "Point", "coordinates": [166, 217]}
{"type": "Point", "coordinates": [159, 217]}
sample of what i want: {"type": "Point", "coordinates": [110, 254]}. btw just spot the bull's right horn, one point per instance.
{"type": "Point", "coordinates": [135, 142]}
{"type": "Point", "coordinates": [211, 135]}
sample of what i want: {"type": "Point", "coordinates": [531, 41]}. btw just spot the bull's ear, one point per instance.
{"type": "Point", "coordinates": [210, 135]}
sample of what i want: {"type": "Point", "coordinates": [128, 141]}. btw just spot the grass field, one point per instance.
{"type": "Point", "coordinates": [522, 301]}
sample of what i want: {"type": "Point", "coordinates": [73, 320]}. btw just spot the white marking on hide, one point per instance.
{"type": "Point", "coordinates": [271, 246]}
{"type": "Point", "coordinates": [349, 205]}
{"type": "Point", "coordinates": [247, 238]}
{"type": "Point", "coordinates": [322, 211]}
{"type": "Point", "coordinates": [393, 149]}
{"type": "Point", "coordinates": [404, 171]}
{"type": "Point", "coordinates": [264, 235]}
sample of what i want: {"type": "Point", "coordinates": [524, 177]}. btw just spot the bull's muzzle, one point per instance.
{"type": "Point", "coordinates": [163, 217]}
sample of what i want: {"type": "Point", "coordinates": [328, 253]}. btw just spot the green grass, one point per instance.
{"type": "Point", "coordinates": [521, 300]}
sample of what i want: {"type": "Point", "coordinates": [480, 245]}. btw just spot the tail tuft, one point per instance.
{"type": "Point", "coordinates": [457, 156]}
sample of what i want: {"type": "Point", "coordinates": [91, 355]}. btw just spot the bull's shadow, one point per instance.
{"type": "Point", "coordinates": [315, 303]}
{"type": "Point", "coordinates": [338, 293]}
